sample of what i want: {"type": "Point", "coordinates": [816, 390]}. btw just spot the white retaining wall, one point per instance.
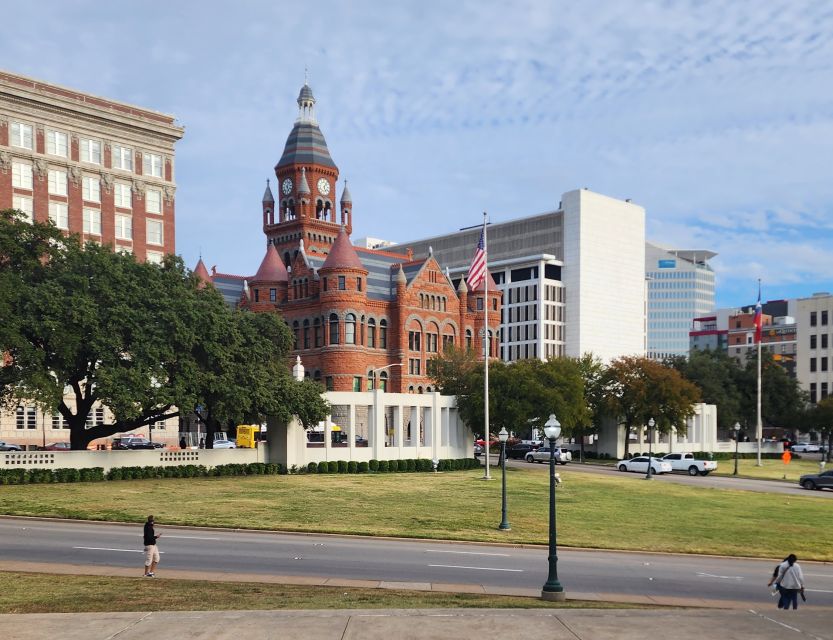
{"type": "Point", "coordinates": [137, 458]}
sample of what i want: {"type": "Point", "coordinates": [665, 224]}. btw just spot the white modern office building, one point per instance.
{"type": "Point", "coordinates": [814, 361]}
{"type": "Point", "coordinates": [680, 285]}
{"type": "Point", "coordinates": [573, 279]}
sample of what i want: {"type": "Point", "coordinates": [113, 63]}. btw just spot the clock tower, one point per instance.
{"type": "Point", "coordinates": [305, 204]}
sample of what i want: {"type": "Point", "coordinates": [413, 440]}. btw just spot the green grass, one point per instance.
{"type": "Point", "coordinates": [44, 593]}
{"type": "Point", "coordinates": [606, 512]}
{"type": "Point", "coordinates": [769, 469]}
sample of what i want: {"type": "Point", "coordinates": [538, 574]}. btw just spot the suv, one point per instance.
{"type": "Point", "coordinates": [132, 442]}
{"type": "Point", "coordinates": [520, 450]}
{"type": "Point", "coordinates": [542, 454]}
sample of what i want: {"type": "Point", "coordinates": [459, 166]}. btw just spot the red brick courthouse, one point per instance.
{"type": "Point", "coordinates": [362, 318]}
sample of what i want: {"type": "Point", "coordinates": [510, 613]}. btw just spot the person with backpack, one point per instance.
{"type": "Point", "coordinates": [790, 582]}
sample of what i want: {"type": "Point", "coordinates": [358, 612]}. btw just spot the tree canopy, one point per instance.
{"type": "Point", "coordinates": [147, 341]}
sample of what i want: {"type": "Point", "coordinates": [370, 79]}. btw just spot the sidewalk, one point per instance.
{"type": "Point", "coordinates": [386, 624]}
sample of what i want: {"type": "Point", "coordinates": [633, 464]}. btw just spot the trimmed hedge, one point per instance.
{"type": "Point", "coordinates": [96, 474]}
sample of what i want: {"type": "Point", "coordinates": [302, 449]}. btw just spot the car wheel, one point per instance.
{"type": "Point", "coordinates": [693, 471]}
{"type": "Point", "coordinates": [530, 459]}
{"type": "Point", "coordinates": [622, 467]}
{"type": "Point", "coordinates": [808, 484]}
{"type": "Point", "coordinates": [704, 473]}
{"type": "Point", "coordinates": [563, 462]}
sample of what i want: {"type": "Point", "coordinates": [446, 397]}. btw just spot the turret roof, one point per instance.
{"type": "Point", "coordinates": [343, 254]}
{"type": "Point", "coordinates": [202, 273]}
{"type": "Point", "coordinates": [272, 268]}
{"type": "Point", "coordinates": [492, 283]}
{"type": "Point", "coordinates": [267, 195]}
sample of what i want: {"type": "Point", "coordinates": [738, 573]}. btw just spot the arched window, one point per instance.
{"type": "Point", "coordinates": [333, 328]}
{"type": "Point", "coordinates": [316, 376]}
{"type": "Point", "coordinates": [383, 334]}
{"type": "Point", "coordinates": [350, 329]}
{"type": "Point", "coordinates": [306, 334]}
{"type": "Point", "coordinates": [383, 381]}
{"type": "Point", "coordinates": [468, 339]}
{"type": "Point", "coordinates": [296, 331]}
{"type": "Point", "coordinates": [371, 380]}
{"type": "Point", "coordinates": [316, 330]}
{"type": "Point", "coordinates": [419, 390]}
{"type": "Point", "coordinates": [371, 333]}
{"type": "Point", "coordinates": [319, 209]}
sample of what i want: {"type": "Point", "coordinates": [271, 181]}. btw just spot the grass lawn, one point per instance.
{"type": "Point", "coordinates": [769, 469]}
{"type": "Point", "coordinates": [44, 593]}
{"type": "Point", "coordinates": [621, 512]}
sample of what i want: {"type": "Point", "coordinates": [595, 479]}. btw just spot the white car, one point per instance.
{"type": "Point", "coordinates": [805, 447]}
{"type": "Point", "coordinates": [224, 444]}
{"type": "Point", "coordinates": [639, 464]}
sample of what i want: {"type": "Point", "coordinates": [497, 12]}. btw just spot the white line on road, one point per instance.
{"type": "Point", "coordinates": [190, 537]}
{"type": "Point", "coordinates": [108, 549]}
{"type": "Point", "coordinates": [471, 553]}
{"type": "Point", "coordinates": [454, 566]}
{"type": "Point", "coordinates": [711, 575]}
{"type": "Point", "coordinates": [818, 575]}
{"type": "Point", "coordinates": [817, 591]}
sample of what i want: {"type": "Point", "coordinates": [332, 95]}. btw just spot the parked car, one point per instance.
{"type": "Point", "coordinates": [520, 450]}
{"type": "Point", "coordinates": [56, 446]}
{"type": "Point", "coordinates": [822, 480]}
{"type": "Point", "coordinates": [132, 442]}
{"type": "Point", "coordinates": [691, 465]}
{"type": "Point", "coordinates": [806, 447]}
{"type": "Point", "coordinates": [8, 446]}
{"type": "Point", "coordinates": [542, 454]}
{"type": "Point", "coordinates": [478, 449]}
{"type": "Point", "coordinates": [224, 444]}
{"type": "Point", "coordinates": [639, 464]}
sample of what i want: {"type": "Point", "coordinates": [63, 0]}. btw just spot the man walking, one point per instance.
{"type": "Point", "coordinates": [151, 550]}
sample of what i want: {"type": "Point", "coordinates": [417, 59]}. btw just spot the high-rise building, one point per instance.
{"type": "Point", "coordinates": [815, 345]}
{"type": "Point", "coordinates": [92, 166]}
{"type": "Point", "coordinates": [680, 285]}
{"type": "Point", "coordinates": [573, 279]}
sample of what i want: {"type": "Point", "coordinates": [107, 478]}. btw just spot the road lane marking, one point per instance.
{"type": "Point", "coordinates": [471, 553]}
{"type": "Point", "coordinates": [818, 575]}
{"type": "Point", "coordinates": [191, 537]}
{"type": "Point", "coordinates": [108, 549]}
{"type": "Point", "coordinates": [711, 575]}
{"type": "Point", "coordinates": [454, 566]}
{"type": "Point", "coordinates": [818, 590]}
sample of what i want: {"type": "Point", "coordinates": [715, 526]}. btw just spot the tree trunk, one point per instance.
{"type": "Point", "coordinates": [627, 439]}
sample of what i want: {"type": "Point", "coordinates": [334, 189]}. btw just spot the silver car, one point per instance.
{"type": "Point", "coordinates": [639, 464]}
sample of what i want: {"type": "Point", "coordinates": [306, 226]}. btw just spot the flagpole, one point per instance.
{"type": "Point", "coordinates": [759, 429]}
{"type": "Point", "coordinates": [488, 474]}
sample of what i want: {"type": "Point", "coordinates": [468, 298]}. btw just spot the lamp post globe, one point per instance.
{"type": "Point", "coordinates": [552, 589]}
{"type": "Point", "coordinates": [651, 424]}
{"type": "Point", "coordinates": [503, 436]}
{"type": "Point", "coordinates": [737, 439]}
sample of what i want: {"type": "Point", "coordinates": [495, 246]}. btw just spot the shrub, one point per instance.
{"type": "Point", "coordinates": [393, 466]}
{"type": "Point", "coordinates": [323, 467]}
{"type": "Point", "coordinates": [92, 474]}
{"type": "Point", "coordinates": [342, 466]}
{"type": "Point", "coordinates": [312, 467]}
{"type": "Point", "coordinates": [384, 466]}
{"type": "Point", "coordinates": [373, 465]}
{"type": "Point", "coordinates": [423, 464]}
{"type": "Point", "coordinates": [332, 466]}
{"type": "Point", "coordinates": [410, 465]}
{"type": "Point", "coordinates": [364, 467]}
{"type": "Point", "coordinates": [352, 467]}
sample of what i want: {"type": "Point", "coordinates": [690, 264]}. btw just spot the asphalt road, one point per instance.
{"type": "Point", "coordinates": [660, 575]}
{"type": "Point", "coordinates": [712, 481]}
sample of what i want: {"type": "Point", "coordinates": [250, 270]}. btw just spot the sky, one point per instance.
{"type": "Point", "coordinates": [717, 117]}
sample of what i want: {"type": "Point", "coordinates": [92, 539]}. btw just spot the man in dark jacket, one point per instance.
{"type": "Point", "coordinates": [151, 550]}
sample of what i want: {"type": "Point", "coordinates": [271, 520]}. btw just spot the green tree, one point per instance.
{"type": "Point", "coordinates": [136, 337]}
{"type": "Point", "coordinates": [593, 376]}
{"type": "Point", "coordinates": [637, 389]}
{"type": "Point", "coordinates": [820, 418]}
{"type": "Point", "coordinates": [719, 378]}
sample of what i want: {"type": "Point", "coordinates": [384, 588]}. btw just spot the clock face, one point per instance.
{"type": "Point", "coordinates": [286, 186]}
{"type": "Point", "coordinates": [323, 186]}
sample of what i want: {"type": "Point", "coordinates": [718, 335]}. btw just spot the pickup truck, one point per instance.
{"type": "Point", "coordinates": [688, 463]}
{"type": "Point", "coordinates": [542, 454]}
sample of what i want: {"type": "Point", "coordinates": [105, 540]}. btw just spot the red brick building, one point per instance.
{"type": "Point", "coordinates": [361, 317]}
{"type": "Point", "coordinates": [93, 166]}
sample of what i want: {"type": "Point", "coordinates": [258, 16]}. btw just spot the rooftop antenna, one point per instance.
{"type": "Point", "coordinates": [306, 75]}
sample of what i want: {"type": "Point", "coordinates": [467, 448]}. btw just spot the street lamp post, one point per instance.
{"type": "Point", "coordinates": [651, 424]}
{"type": "Point", "coordinates": [552, 589]}
{"type": "Point", "coordinates": [503, 436]}
{"type": "Point", "coordinates": [737, 438]}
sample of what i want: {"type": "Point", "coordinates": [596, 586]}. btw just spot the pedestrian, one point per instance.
{"type": "Point", "coordinates": [791, 582]}
{"type": "Point", "coordinates": [202, 443]}
{"type": "Point", "coordinates": [151, 549]}
{"type": "Point", "coordinates": [182, 443]}
{"type": "Point", "coordinates": [776, 588]}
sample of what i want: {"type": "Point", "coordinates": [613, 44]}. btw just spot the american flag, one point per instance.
{"type": "Point", "coordinates": [759, 320]}
{"type": "Point", "coordinates": [477, 271]}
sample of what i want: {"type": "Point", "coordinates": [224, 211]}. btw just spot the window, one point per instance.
{"type": "Point", "coordinates": [431, 342]}
{"type": "Point", "coordinates": [812, 365]}
{"type": "Point", "coordinates": [350, 329]}
{"type": "Point", "coordinates": [448, 341]}
{"type": "Point", "coordinates": [122, 157]}
{"type": "Point", "coordinates": [22, 175]}
{"type": "Point", "coordinates": [383, 381]}
{"type": "Point", "coordinates": [92, 221]}
{"type": "Point", "coordinates": [357, 383]}
{"type": "Point", "coordinates": [824, 341]}
{"type": "Point", "coordinates": [21, 135]}
{"type": "Point", "coordinates": [57, 182]}
{"type": "Point", "coordinates": [358, 284]}
{"type": "Point", "coordinates": [154, 232]}
{"type": "Point", "coordinates": [296, 331]}
{"type": "Point", "coordinates": [823, 395]}
{"type": "Point", "coordinates": [58, 215]}
{"type": "Point", "coordinates": [324, 284]}
{"type": "Point", "coordinates": [26, 418]}
{"type": "Point", "coordinates": [257, 295]}
{"type": "Point", "coordinates": [153, 201]}
{"type": "Point", "coordinates": [316, 331]}
{"type": "Point", "coordinates": [24, 204]}
{"type": "Point", "coordinates": [813, 339]}
{"type": "Point", "coordinates": [812, 392]}
{"type": "Point", "coordinates": [383, 334]}
{"type": "Point", "coordinates": [813, 318]}
{"type": "Point", "coordinates": [91, 189]}
{"type": "Point", "coordinates": [90, 151]}
{"type": "Point", "coordinates": [154, 257]}
{"type": "Point", "coordinates": [152, 165]}
{"type": "Point", "coordinates": [56, 143]}
{"type": "Point", "coordinates": [58, 421]}
{"type": "Point", "coordinates": [371, 333]}
{"type": "Point", "coordinates": [414, 366]}
{"type": "Point", "coordinates": [124, 227]}
{"type": "Point", "coordinates": [342, 284]}
{"type": "Point", "coordinates": [468, 339]}
{"type": "Point", "coordinates": [824, 363]}
{"type": "Point", "coordinates": [333, 328]}
{"type": "Point", "coordinates": [480, 303]}
{"type": "Point", "coordinates": [414, 340]}
{"type": "Point", "coordinates": [328, 383]}
{"type": "Point", "coordinates": [371, 380]}
{"type": "Point", "coordinates": [306, 333]}
{"type": "Point", "coordinates": [824, 318]}
{"type": "Point", "coordinates": [273, 295]}
{"type": "Point", "coordinates": [122, 196]}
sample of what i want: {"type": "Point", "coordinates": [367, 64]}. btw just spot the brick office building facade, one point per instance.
{"type": "Point", "coordinates": [96, 167]}
{"type": "Point", "coordinates": [362, 318]}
